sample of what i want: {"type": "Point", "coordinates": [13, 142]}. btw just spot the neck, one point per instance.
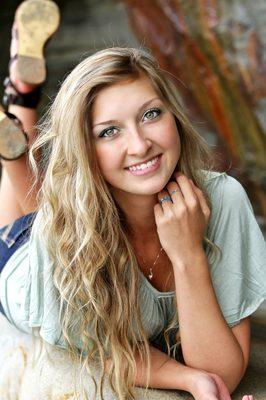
{"type": "Point", "coordinates": [139, 215]}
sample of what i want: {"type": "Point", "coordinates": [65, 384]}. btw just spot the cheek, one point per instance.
{"type": "Point", "coordinates": [101, 159]}
{"type": "Point", "coordinates": [171, 136]}
{"type": "Point", "coordinates": [107, 160]}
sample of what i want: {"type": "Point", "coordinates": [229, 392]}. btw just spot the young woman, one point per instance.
{"type": "Point", "coordinates": [135, 246]}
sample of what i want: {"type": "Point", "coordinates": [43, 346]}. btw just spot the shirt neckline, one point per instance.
{"type": "Point", "coordinates": [155, 291]}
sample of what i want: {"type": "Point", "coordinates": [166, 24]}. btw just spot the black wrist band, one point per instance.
{"type": "Point", "coordinates": [13, 96]}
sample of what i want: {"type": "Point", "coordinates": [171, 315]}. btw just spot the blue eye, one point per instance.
{"type": "Point", "coordinates": [108, 132]}
{"type": "Point", "coordinates": [152, 113]}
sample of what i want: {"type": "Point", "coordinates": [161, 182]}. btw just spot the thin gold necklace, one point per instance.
{"type": "Point", "coordinates": [150, 276]}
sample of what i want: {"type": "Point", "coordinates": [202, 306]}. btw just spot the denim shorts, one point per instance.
{"type": "Point", "coordinates": [12, 237]}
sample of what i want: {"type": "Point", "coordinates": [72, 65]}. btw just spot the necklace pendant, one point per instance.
{"type": "Point", "coordinates": [150, 274]}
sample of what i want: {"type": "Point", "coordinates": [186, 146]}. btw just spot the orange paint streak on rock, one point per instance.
{"type": "Point", "coordinates": [213, 94]}
{"type": "Point", "coordinates": [204, 71]}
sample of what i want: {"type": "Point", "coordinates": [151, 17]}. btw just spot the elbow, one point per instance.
{"type": "Point", "coordinates": [230, 374]}
{"type": "Point", "coordinates": [233, 378]}
{"type": "Point", "coordinates": [234, 375]}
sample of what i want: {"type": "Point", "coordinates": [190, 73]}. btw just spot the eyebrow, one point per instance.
{"type": "Point", "coordinates": [111, 121]}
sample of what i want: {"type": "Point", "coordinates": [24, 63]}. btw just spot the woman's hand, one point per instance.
{"type": "Point", "coordinates": [181, 219]}
{"type": "Point", "coordinates": [207, 386]}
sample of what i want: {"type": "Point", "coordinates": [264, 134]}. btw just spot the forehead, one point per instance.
{"type": "Point", "coordinates": [124, 95]}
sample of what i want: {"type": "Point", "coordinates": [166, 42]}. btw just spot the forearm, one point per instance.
{"type": "Point", "coordinates": [207, 341]}
{"type": "Point", "coordinates": [166, 372]}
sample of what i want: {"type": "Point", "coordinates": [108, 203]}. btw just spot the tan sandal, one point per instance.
{"type": "Point", "coordinates": [36, 22]}
{"type": "Point", "coordinates": [13, 140]}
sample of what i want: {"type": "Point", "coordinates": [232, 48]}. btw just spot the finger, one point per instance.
{"type": "Point", "coordinates": [223, 390]}
{"type": "Point", "coordinates": [187, 189]}
{"type": "Point", "coordinates": [176, 194]}
{"type": "Point", "coordinates": [212, 397]}
{"type": "Point", "coordinates": [158, 212]}
{"type": "Point", "coordinates": [165, 200]}
{"type": "Point", "coordinates": [202, 200]}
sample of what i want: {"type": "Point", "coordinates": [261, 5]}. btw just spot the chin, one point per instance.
{"type": "Point", "coordinates": [151, 189]}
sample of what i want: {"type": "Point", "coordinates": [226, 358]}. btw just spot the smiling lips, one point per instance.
{"type": "Point", "coordinates": [144, 168]}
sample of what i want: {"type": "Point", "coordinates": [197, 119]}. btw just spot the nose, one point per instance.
{"type": "Point", "coordinates": [137, 143]}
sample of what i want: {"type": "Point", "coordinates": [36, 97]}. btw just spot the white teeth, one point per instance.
{"type": "Point", "coordinates": [144, 166]}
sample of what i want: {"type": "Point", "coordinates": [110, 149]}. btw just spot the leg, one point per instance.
{"type": "Point", "coordinates": [10, 208]}
{"type": "Point", "coordinates": [16, 180]}
{"type": "Point", "coordinates": [16, 195]}
{"type": "Point", "coordinates": [17, 173]}
{"type": "Point", "coordinates": [16, 192]}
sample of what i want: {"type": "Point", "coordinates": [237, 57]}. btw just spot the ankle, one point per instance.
{"type": "Point", "coordinates": [12, 96]}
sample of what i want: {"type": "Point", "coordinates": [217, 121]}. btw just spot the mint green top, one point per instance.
{"type": "Point", "coordinates": [29, 298]}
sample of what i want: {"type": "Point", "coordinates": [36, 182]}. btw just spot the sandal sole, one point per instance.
{"type": "Point", "coordinates": [13, 142]}
{"type": "Point", "coordinates": [37, 21]}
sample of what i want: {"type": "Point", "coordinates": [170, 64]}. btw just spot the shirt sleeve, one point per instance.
{"type": "Point", "coordinates": [27, 292]}
{"type": "Point", "coordinates": [239, 276]}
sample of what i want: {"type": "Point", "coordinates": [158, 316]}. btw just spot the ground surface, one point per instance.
{"type": "Point", "coordinates": [52, 378]}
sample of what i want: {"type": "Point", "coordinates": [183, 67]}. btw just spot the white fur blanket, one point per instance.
{"type": "Point", "coordinates": [27, 372]}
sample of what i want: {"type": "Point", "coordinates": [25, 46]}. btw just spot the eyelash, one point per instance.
{"type": "Point", "coordinates": [114, 127]}
{"type": "Point", "coordinates": [154, 110]}
{"type": "Point", "coordinates": [106, 130]}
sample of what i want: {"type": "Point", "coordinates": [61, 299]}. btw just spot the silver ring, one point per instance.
{"type": "Point", "coordinates": [174, 191]}
{"type": "Point", "coordinates": [165, 198]}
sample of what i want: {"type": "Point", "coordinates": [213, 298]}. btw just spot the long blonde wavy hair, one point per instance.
{"type": "Point", "coordinates": [95, 269]}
